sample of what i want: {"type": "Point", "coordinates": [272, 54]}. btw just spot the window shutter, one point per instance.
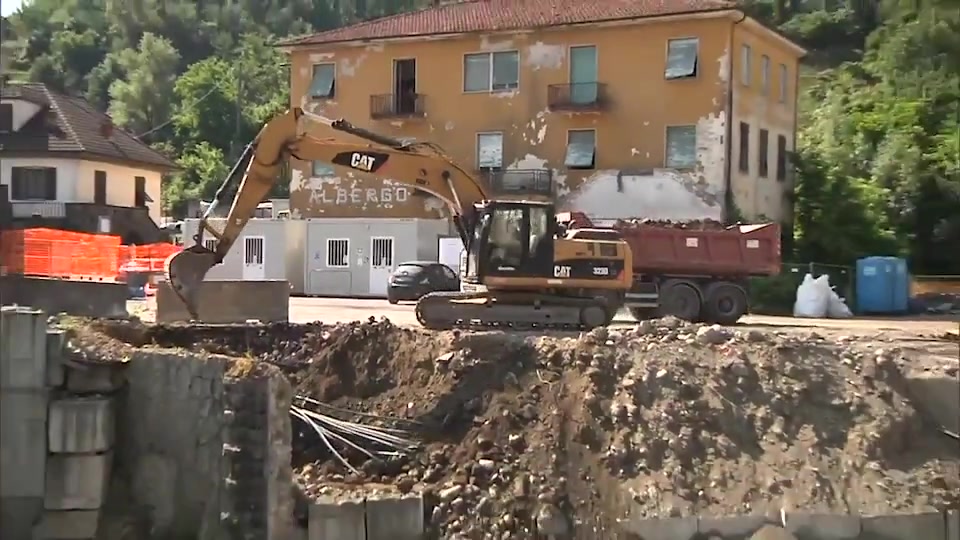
{"type": "Point", "coordinates": [16, 183]}
{"type": "Point", "coordinates": [51, 184]}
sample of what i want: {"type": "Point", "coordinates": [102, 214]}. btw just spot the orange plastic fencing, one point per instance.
{"type": "Point", "coordinates": [61, 254]}
{"type": "Point", "coordinates": [148, 257]}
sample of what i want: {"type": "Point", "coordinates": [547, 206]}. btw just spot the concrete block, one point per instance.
{"type": "Point", "coordinates": [343, 520]}
{"type": "Point", "coordinates": [395, 518]}
{"type": "Point", "coordinates": [903, 527]}
{"type": "Point", "coordinates": [952, 519]}
{"type": "Point", "coordinates": [938, 397]}
{"type": "Point", "coordinates": [23, 357]}
{"type": "Point", "coordinates": [733, 527]}
{"type": "Point", "coordinates": [77, 482]}
{"type": "Point", "coordinates": [81, 425]}
{"type": "Point", "coordinates": [75, 297]}
{"type": "Point", "coordinates": [23, 443]}
{"type": "Point", "coordinates": [229, 301]}
{"type": "Point", "coordinates": [823, 526]}
{"type": "Point", "coordinates": [678, 528]}
{"type": "Point", "coordinates": [56, 345]}
{"type": "Point", "coordinates": [18, 515]}
{"type": "Point", "coordinates": [95, 379]}
{"type": "Point", "coordinates": [771, 532]}
{"type": "Point", "coordinates": [68, 525]}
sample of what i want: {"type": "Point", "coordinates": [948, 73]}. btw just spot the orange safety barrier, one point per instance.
{"type": "Point", "coordinates": [61, 254]}
{"type": "Point", "coordinates": [149, 257]}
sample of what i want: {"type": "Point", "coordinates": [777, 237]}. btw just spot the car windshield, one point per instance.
{"type": "Point", "coordinates": [408, 270]}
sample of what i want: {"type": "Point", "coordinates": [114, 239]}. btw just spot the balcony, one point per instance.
{"type": "Point", "coordinates": [132, 224]}
{"type": "Point", "coordinates": [38, 209]}
{"type": "Point", "coordinates": [577, 97]}
{"type": "Point", "coordinates": [384, 106]}
{"type": "Point", "coordinates": [520, 182]}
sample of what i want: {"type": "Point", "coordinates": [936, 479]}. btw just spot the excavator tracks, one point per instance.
{"type": "Point", "coordinates": [518, 311]}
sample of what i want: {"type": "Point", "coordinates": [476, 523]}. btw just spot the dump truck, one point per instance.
{"type": "Point", "coordinates": [697, 271]}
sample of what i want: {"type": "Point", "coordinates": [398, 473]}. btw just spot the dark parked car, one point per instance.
{"type": "Point", "coordinates": [411, 280]}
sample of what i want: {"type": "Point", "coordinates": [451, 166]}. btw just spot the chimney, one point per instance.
{"type": "Point", "coordinates": [106, 129]}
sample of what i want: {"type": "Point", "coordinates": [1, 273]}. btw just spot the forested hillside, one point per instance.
{"type": "Point", "coordinates": [878, 155]}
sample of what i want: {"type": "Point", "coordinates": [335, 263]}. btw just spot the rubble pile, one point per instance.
{"type": "Point", "coordinates": [565, 434]}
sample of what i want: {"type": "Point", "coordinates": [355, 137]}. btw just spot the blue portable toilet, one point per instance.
{"type": "Point", "coordinates": [875, 285]}
{"type": "Point", "coordinates": [901, 288]}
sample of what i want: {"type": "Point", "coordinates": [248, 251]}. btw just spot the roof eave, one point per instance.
{"type": "Point", "coordinates": [650, 19]}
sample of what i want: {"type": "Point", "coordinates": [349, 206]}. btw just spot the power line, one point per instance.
{"type": "Point", "coordinates": [172, 118]}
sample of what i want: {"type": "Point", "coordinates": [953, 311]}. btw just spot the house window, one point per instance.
{"type": "Point", "coordinates": [781, 158]}
{"type": "Point", "coordinates": [681, 147]}
{"type": "Point", "coordinates": [489, 151]}
{"type": "Point", "coordinates": [338, 252]}
{"type": "Point", "coordinates": [745, 67]}
{"type": "Point", "coordinates": [33, 183]}
{"type": "Point", "coordinates": [783, 83]}
{"type": "Point", "coordinates": [324, 82]}
{"type": "Point", "coordinates": [140, 197]}
{"type": "Point", "coordinates": [682, 58]}
{"type": "Point", "coordinates": [581, 149]}
{"type": "Point", "coordinates": [100, 187]}
{"type": "Point", "coordinates": [765, 75]}
{"type": "Point", "coordinates": [320, 169]}
{"type": "Point", "coordinates": [488, 72]}
{"type": "Point", "coordinates": [762, 159]}
{"type": "Point", "coordinates": [6, 117]}
{"type": "Point", "coordinates": [210, 244]}
{"type": "Point", "coordinates": [744, 147]}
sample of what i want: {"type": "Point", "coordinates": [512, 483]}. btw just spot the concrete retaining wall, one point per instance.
{"type": "Point", "coordinates": [84, 298]}
{"type": "Point", "coordinates": [371, 518]}
{"type": "Point", "coordinates": [229, 302]}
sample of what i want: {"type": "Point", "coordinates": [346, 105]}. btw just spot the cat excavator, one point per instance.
{"type": "Point", "coordinates": [521, 270]}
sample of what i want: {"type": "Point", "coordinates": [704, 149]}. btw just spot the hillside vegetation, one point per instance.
{"type": "Point", "coordinates": [878, 161]}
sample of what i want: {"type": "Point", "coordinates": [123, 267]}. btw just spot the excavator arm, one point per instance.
{"type": "Point", "coordinates": [298, 133]}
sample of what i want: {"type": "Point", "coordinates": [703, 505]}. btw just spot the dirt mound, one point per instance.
{"type": "Point", "coordinates": [561, 434]}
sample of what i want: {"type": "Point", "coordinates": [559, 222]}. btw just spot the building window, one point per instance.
{"type": "Point", "coordinates": [581, 149]}
{"type": "Point", "coordinates": [489, 72]}
{"type": "Point", "coordinates": [33, 183]}
{"type": "Point", "coordinates": [745, 67]}
{"type": "Point", "coordinates": [6, 117]}
{"type": "Point", "coordinates": [489, 151]}
{"type": "Point", "coordinates": [744, 147]}
{"type": "Point", "coordinates": [783, 83]}
{"type": "Point", "coordinates": [765, 75]}
{"type": "Point", "coordinates": [100, 187]}
{"type": "Point", "coordinates": [762, 160]}
{"type": "Point", "coordinates": [681, 147]}
{"type": "Point", "coordinates": [324, 82]}
{"type": "Point", "coordinates": [140, 197]}
{"type": "Point", "coordinates": [210, 244]}
{"type": "Point", "coordinates": [338, 252]}
{"type": "Point", "coordinates": [781, 158]}
{"type": "Point", "coordinates": [682, 58]}
{"type": "Point", "coordinates": [319, 169]}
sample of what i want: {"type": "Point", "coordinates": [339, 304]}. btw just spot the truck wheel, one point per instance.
{"type": "Point", "coordinates": [680, 299]}
{"type": "Point", "coordinates": [725, 303]}
{"type": "Point", "coordinates": [642, 313]}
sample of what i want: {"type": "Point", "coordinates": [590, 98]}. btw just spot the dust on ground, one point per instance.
{"type": "Point", "coordinates": [565, 434]}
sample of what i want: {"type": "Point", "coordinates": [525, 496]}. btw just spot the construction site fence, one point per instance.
{"type": "Point", "coordinates": [72, 255]}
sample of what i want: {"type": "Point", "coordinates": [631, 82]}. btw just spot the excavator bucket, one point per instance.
{"type": "Point", "coordinates": [185, 272]}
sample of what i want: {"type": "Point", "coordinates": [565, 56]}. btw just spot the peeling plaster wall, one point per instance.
{"type": "Point", "coordinates": [755, 196]}
{"type": "Point", "coordinates": [630, 133]}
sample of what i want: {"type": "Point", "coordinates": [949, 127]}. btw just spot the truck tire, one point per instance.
{"type": "Point", "coordinates": [725, 303]}
{"type": "Point", "coordinates": [680, 299]}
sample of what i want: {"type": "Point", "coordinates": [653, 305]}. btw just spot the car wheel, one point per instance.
{"type": "Point", "coordinates": [392, 300]}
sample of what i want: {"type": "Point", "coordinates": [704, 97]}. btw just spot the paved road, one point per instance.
{"type": "Point", "coordinates": [331, 310]}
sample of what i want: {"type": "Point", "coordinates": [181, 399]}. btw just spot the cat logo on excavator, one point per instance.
{"type": "Point", "coordinates": [362, 161]}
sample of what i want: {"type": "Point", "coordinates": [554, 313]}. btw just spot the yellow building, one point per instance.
{"type": "Point", "coordinates": [630, 108]}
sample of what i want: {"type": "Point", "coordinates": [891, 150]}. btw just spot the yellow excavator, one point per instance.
{"type": "Point", "coordinates": [521, 270]}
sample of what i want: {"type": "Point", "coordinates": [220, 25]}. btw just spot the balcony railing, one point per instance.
{"type": "Point", "coordinates": [42, 209]}
{"type": "Point", "coordinates": [520, 181]}
{"type": "Point", "coordinates": [577, 97]}
{"type": "Point", "coordinates": [397, 106]}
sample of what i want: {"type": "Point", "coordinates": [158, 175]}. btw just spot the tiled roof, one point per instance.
{"type": "Point", "coordinates": [72, 125]}
{"type": "Point", "coordinates": [494, 15]}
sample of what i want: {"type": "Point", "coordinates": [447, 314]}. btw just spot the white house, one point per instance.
{"type": "Point", "coordinates": [62, 159]}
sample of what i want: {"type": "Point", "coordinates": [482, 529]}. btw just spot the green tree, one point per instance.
{"type": "Point", "coordinates": [140, 101]}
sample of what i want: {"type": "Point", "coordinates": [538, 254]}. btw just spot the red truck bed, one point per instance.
{"type": "Point", "coordinates": [738, 250]}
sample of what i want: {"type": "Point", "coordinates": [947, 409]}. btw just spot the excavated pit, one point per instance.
{"type": "Point", "coordinates": [555, 433]}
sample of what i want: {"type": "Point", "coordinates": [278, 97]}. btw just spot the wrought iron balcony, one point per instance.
{"type": "Point", "coordinates": [397, 106]}
{"type": "Point", "coordinates": [577, 97]}
{"type": "Point", "coordinates": [520, 182]}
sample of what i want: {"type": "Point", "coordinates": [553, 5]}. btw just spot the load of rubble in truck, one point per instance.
{"type": "Point", "coordinates": [525, 273]}
{"type": "Point", "coordinates": [697, 272]}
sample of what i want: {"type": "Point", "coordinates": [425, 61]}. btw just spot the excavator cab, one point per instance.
{"type": "Point", "coordinates": [511, 239]}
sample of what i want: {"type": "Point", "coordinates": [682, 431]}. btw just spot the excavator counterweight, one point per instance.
{"type": "Point", "coordinates": [520, 270]}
